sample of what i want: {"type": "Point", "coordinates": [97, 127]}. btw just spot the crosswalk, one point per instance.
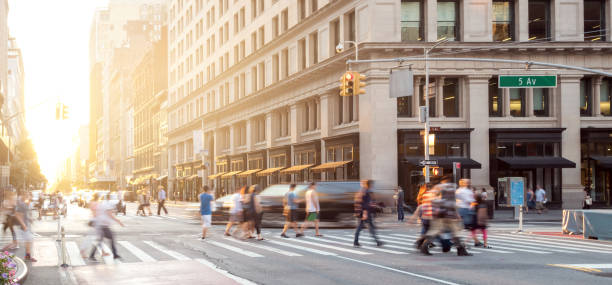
{"type": "Point", "coordinates": [337, 244]}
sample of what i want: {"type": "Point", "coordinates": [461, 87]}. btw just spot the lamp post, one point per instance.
{"type": "Point", "coordinates": [426, 95]}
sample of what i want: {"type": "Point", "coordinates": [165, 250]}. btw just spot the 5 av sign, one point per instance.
{"type": "Point", "coordinates": [527, 81]}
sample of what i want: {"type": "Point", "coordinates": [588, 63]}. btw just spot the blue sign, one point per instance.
{"type": "Point", "coordinates": [517, 192]}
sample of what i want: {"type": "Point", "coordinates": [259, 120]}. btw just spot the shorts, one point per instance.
{"type": "Point", "coordinates": [291, 216]}
{"type": "Point", "coordinates": [25, 236]}
{"type": "Point", "coordinates": [206, 221]}
{"type": "Point", "coordinates": [236, 217]}
{"type": "Point", "coordinates": [312, 216]}
{"type": "Point", "coordinates": [539, 206]}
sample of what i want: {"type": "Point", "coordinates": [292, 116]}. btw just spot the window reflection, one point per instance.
{"type": "Point", "coordinates": [539, 20]}
{"type": "Point", "coordinates": [447, 20]}
{"type": "Point", "coordinates": [495, 99]}
{"type": "Point", "coordinates": [503, 18]}
{"type": "Point", "coordinates": [594, 25]}
{"type": "Point", "coordinates": [517, 102]}
{"type": "Point", "coordinates": [604, 98]}
{"type": "Point", "coordinates": [540, 102]}
{"type": "Point", "coordinates": [411, 22]}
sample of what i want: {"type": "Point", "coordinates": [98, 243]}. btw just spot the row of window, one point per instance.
{"type": "Point", "coordinates": [503, 20]}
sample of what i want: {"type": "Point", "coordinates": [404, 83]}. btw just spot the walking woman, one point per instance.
{"type": "Point", "coordinates": [255, 212]}
{"type": "Point", "coordinates": [480, 222]}
{"type": "Point", "coordinates": [9, 207]}
{"type": "Point", "coordinates": [530, 200]}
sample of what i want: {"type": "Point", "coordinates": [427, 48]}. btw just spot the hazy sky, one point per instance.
{"type": "Point", "coordinates": [54, 39]}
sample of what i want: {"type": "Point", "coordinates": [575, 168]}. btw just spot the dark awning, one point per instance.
{"type": "Point", "coordinates": [446, 162]}
{"type": "Point", "coordinates": [603, 161]}
{"type": "Point", "coordinates": [536, 162]}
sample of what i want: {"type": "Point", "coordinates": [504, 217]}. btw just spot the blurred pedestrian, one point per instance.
{"type": "Point", "coordinates": [464, 198]}
{"type": "Point", "coordinates": [480, 222]}
{"type": "Point", "coordinates": [256, 211]}
{"type": "Point", "coordinates": [312, 209]}
{"type": "Point", "coordinates": [103, 218]}
{"type": "Point", "coordinates": [140, 211]}
{"type": "Point", "coordinates": [399, 203]}
{"type": "Point", "coordinates": [206, 201]}
{"type": "Point", "coordinates": [22, 215]}
{"type": "Point", "coordinates": [425, 212]}
{"type": "Point", "coordinates": [364, 210]}
{"type": "Point", "coordinates": [236, 216]}
{"type": "Point", "coordinates": [445, 218]}
{"type": "Point", "coordinates": [10, 202]}
{"type": "Point", "coordinates": [161, 200]}
{"type": "Point", "coordinates": [588, 201]}
{"type": "Point", "coordinates": [290, 212]}
{"type": "Point", "coordinates": [147, 201]}
{"type": "Point", "coordinates": [540, 197]}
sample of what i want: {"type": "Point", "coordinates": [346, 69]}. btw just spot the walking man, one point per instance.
{"type": "Point", "coordinates": [365, 212]}
{"type": "Point", "coordinates": [161, 200]}
{"type": "Point", "coordinates": [399, 202]}
{"type": "Point", "coordinates": [290, 211]}
{"type": "Point", "coordinates": [102, 221]}
{"type": "Point", "coordinates": [205, 210]}
{"type": "Point", "coordinates": [22, 214]}
{"type": "Point", "coordinates": [540, 196]}
{"type": "Point", "coordinates": [312, 209]}
{"type": "Point", "coordinates": [236, 215]}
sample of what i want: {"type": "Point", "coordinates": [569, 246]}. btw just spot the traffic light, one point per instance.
{"type": "Point", "coordinates": [359, 83]}
{"type": "Point", "coordinates": [347, 83]}
{"type": "Point", "coordinates": [58, 111]}
{"type": "Point", "coordinates": [64, 112]}
{"type": "Point", "coordinates": [433, 171]}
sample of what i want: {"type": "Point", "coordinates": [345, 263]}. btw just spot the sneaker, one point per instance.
{"type": "Point", "coordinates": [93, 259]}
{"type": "Point", "coordinates": [202, 238]}
{"type": "Point", "coordinates": [284, 235]}
{"type": "Point", "coordinates": [379, 243]}
{"type": "Point", "coordinates": [356, 244]}
{"type": "Point", "coordinates": [117, 257]}
{"type": "Point", "coordinates": [227, 234]}
{"type": "Point", "coordinates": [299, 235]}
{"type": "Point", "coordinates": [477, 244]}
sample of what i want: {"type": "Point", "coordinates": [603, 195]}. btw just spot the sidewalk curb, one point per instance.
{"type": "Point", "coordinates": [22, 270]}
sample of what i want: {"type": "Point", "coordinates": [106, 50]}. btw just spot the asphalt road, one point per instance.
{"type": "Point", "coordinates": [167, 249]}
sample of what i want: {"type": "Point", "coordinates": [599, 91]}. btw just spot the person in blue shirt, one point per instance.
{"type": "Point", "coordinates": [290, 212]}
{"type": "Point", "coordinates": [161, 200]}
{"type": "Point", "coordinates": [205, 209]}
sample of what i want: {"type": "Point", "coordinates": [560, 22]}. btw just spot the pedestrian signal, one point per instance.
{"type": "Point", "coordinates": [433, 171]}
{"type": "Point", "coordinates": [64, 112]}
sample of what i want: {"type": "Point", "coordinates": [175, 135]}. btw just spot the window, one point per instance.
{"type": "Point", "coordinates": [604, 98]}
{"type": "Point", "coordinates": [254, 79]}
{"type": "Point", "coordinates": [275, 68]}
{"type": "Point", "coordinates": [262, 75]}
{"type": "Point", "coordinates": [275, 27]}
{"type": "Point", "coordinates": [495, 99]}
{"type": "Point", "coordinates": [301, 9]}
{"type": "Point", "coordinates": [412, 20]}
{"type": "Point", "coordinates": [334, 35]}
{"type": "Point", "coordinates": [261, 36]}
{"type": "Point", "coordinates": [404, 106]}
{"type": "Point", "coordinates": [448, 16]}
{"type": "Point", "coordinates": [314, 48]}
{"type": "Point", "coordinates": [301, 54]}
{"type": "Point", "coordinates": [314, 6]}
{"type": "Point", "coordinates": [503, 18]}
{"type": "Point", "coordinates": [540, 102]}
{"type": "Point", "coordinates": [585, 97]}
{"type": "Point", "coordinates": [450, 97]}
{"type": "Point", "coordinates": [594, 24]}
{"type": "Point", "coordinates": [350, 33]}
{"type": "Point", "coordinates": [517, 102]}
{"type": "Point", "coordinates": [539, 20]}
{"type": "Point", "coordinates": [432, 98]}
{"type": "Point", "coordinates": [284, 20]}
{"type": "Point", "coordinates": [284, 64]}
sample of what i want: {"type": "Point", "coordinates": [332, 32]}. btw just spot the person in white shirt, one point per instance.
{"type": "Point", "coordinates": [236, 211]}
{"type": "Point", "coordinates": [464, 197]}
{"type": "Point", "coordinates": [312, 209]}
{"type": "Point", "coordinates": [540, 195]}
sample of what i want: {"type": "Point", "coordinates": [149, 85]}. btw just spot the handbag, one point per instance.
{"type": "Point", "coordinates": [588, 201]}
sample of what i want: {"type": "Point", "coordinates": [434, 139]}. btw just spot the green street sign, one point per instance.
{"type": "Point", "coordinates": [527, 81]}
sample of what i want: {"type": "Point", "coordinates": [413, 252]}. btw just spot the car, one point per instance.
{"type": "Point", "coordinates": [49, 207]}
{"type": "Point", "coordinates": [115, 200]}
{"type": "Point", "coordinates": [221, 212]}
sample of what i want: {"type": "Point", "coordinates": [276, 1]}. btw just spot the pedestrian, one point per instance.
{"type": "Point", "coordinates": [313, 209]}
{"type": "Point", "coordinates": [10, 203]}
{"type": "Point", "coordinates": [147, 201]}
{"type": "Point", "coordinates": [530, 200]}
{"type": "Point", "coordinates": [364, 210]}
{"type": "Point", "coordinates": [22, 215]}
{"type": "Point", "coordinates": [480, 222]}
{"type": "Point", "coordinates": [102, 222]}
{"type": "Point", "coordinates": [236, 215]}
{"type": "Point", "coordinates": [206, 201]}
{"type": "Point", "coordinates": [424, 212]}
{"type": "Point", "coordinates": [464, 199]}
{"type": "Point", "coordinates": [588, 201]}
{"type": "Point", "coordinates": [399, 203]}
{"type": "Point", "coordinates": [540, 197]}
{"type": "Point", "coordinates": [256, 211]}
{"type": "Point", "coordinates": [161, 200]}
{"type": "Point", "coordinates": [445, 218]}
{"type": "Point", "coordinates": [290, 212]}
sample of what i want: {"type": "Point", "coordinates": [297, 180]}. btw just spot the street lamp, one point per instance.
{"type": "Point", "coordinates": [426, 96]}
{"type": "Point", "coordinates": [340, 47]}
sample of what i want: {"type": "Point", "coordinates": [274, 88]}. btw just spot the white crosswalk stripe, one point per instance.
{"type": "Point", "coordinates": [571, 241]}
{"type": "Point", "coordinates": [566, 245]}
{"type": "Point", "coordinates": [364, 247]}
{"type": "Point", "coordinates": [74, 254]}
{"type": "Point", "coordinates": [136, 251]}
{"type": "Point", "coordinates": [163, 249]}
{"type": "Point", "coordinates": [372, 243]}
{"type": "Point", "coordinates": [406, 243]}
{"type": "Point", "coordinates": [321, 252]}
{"type": "Point", "coordinates": [236, 249]}
{"type": "Point", "coordinates": [264, 247]}
{"type": "Point", "coordinates": [331, 247]}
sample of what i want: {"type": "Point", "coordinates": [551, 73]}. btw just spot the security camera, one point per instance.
{"type": "Point", "coordinates": [339, 48]}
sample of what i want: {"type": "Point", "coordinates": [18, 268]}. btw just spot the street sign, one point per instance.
{"type": "Point", "coordinates": [527, 81]}
{"type": "Point", "coordinates": [428, 162]}
{"type": "Point", "coordinates": [434, 129]}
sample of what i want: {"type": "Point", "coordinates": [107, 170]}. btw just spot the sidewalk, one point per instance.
{"type": "Point", "coordinates": [500, 216]}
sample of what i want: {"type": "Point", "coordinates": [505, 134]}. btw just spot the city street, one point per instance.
{"type": "Point", "coordinates": [166, 249]}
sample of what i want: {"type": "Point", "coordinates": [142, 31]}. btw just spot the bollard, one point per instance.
{"type": "Point", "coordinates": [63, 248]}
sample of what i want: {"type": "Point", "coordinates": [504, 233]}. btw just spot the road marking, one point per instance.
{"type": "Point", "coordinates": [565, 246]}
{"type": "Point", "coordinates": [258, 245]}
{"type": "Point", "coordinates": [163, 249]}
{"type": "Point", "coordinates": [593, 266]}
{"type": "Point", "coordinates": [332, 247]}
{"type": "Point", "coordinates": [515, 249]}
{"type": "Point", "coordinates": [371, 243]}
{"type": "Point", "coordinates": [109, 259]}
{"type": "Point", "coordinates": [74, 254]}
{"type": "Point", "coordinates": [156, 217]}
{"type": "Point", "coordinates": [136, 251]}
{"type": "Point", "coordinates": [580, 268]}
{"type": "Point", "coordinates": [404, 243]}
{"type": "Point", "coordinates": [302, 248]}
{"type": "Point", "coordinates": [235, 249]}
{"type": "Point", "coordinates": [364, 247]}
{"type": "Point", "coordinates": [212, 266]}
{"type": "Point", "coordinates": [399, 271]}
{"type": "Point", "coordinates": [168, 217]}
{"type": "Point", "coordinates": [529, 245]}
{"type": "Point", "coordinates": [46, 252]}
{"type": "Point", "coordinates": [564, 239]}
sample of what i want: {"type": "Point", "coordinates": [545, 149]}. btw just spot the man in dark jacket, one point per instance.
{"type": "Point", "coordinates": [364, 210]}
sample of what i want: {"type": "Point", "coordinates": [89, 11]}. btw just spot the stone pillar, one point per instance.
{"type": "Point", "coordinates": [478, 114]}
{"type": "Point", "coordinates": [506, 106]}
{"type": "Point", "coordinates": [415, 99]}
{"type": "Point", "coordinates": [311, 116]}
{"type": "Point", "coordinates": [439, 97]}
{"type": "Point", "coordinates": [378, 134]}
{"type": "Point", "coordinates": [476, 16]}
{"type": "Point", "coordinates": [571, 188]}
{"type": "Point", "coordinates": [431, 20]}
{"type": "Point", "coordinates": [293, 123]}
{"type": "Point", "coordinates": [232, 138]}
{"type": "Point", "coordinates": [597, 96]}
{"type": "Point", "coordinates": [269, 129]}
{"type": "Point", "coordinates": [521, 28]}
{"type": "Point", "coordinates": [345, 109]}
{"type": "Point", "coordinates": [249, 133]}
{"type": "Point", "coordinates": [326, 116]}
{"type": "Point", "coordinates": [529, 102]}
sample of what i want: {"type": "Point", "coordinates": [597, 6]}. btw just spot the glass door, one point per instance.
{"type": "Point", "coordinates": [602, 187]}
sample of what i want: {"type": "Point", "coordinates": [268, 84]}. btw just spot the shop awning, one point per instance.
{"type": "Point", "coordinates": [296, 168]}
{"type": "Point", "coordinates": [248, 172]}
{"type": "Point", "coordinates": [230, 174]}
{"type": "Point", "coordinates": [602, 161]}
{"type": "Point", "coordinates": [536, 162]}
{"type": "Point", "coordinates": [216, 175]}
{"type": "Point", "coordinates": [330, 166]}
{"type": "Point", "coordinates": [162, 177]}
{"type": "Point", "coordinates": [269, 171]}
{"type": "Point", "coordinates": [446, 162]}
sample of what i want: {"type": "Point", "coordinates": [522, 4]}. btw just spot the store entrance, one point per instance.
{"type": "Point", "coordinates": [601, 193]}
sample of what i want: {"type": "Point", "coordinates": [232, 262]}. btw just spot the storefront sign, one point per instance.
{"type": "Point", "coordinates": [527, 81]}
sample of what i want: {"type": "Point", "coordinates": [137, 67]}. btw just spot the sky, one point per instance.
{"type": "Point", "coordinates": [54, 41]}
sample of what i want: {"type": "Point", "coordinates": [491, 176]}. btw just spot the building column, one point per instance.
{"type": "Point", "coordinates": [268, 130]}
{"type": "Point", "coordinates": [416, 102]}
{"type": "Point", "coordinates": [506, 98]}
{"type": "Point", "coordinates": [326, 123]}
{"type": "Point", "coordinates": [293, 123]}
{"type": "Point", "coordinates": [478, 114]}
{"type": "Point", "coordinates": [529, 102]}
{"type": "Point", "coordinates": [571, 188]}
{"type": "Point", "coordinates": [521, 29]}
{"type": "Point", "coordinates": [249, 133]}
{"type": "Point", "coordinates": [378, 133]}
{"type": "Point", "coordinates": [232, 138]}
{"type": "Point", "coordinates": [345, 109]}
{"type": "Point", "coordinates": [597, 96]}
{"type": "Point", "coordinates": [431, 20]}
{"type": "Point", "coordinates": [439, 97]}
{"type": "Point", "coordinates": [567, 20]}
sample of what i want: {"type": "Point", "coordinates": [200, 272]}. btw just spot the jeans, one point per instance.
{"type": "Point", "coordinates": [370, 222]}
{"type": "Point", "coordinates": [467, 216]}
{"type": "Point", "coordinates": [425, 226]}
{"type": "Point", "coordinates": [400, 213]}
{"type": "Point", "coordinates": [160, 205]}
{"type": "Point", "coordinates": [104, 232]}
